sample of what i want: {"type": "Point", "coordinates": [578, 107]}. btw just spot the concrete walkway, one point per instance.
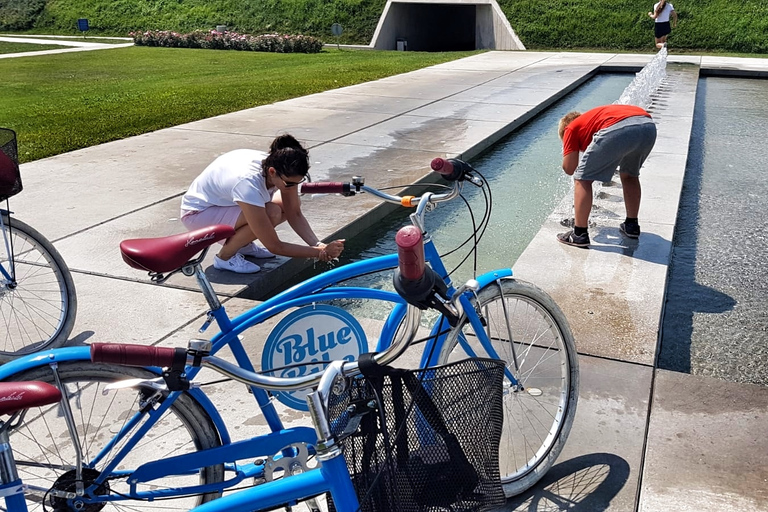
{"type": "Point", "coordinates": [75, 45]}
{"type": "Point", "coordinates": [643, 439]}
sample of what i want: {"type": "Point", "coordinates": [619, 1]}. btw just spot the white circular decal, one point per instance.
{"type": "Point", "coordinates": [312, 334]}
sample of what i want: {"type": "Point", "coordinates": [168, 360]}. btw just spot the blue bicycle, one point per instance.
{"type": "Point", "coordinates": [37, 295]}
{"type": "Point", "coordinates": [95, 451]}
{"type": "Point", "coordinates": [421, 429]}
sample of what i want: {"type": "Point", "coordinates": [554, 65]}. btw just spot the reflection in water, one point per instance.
{"type": "Point", "coordinates": [716, 314]}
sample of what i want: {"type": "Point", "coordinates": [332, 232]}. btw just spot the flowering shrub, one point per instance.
{"type": "Point", "coordinates": [214, 40]}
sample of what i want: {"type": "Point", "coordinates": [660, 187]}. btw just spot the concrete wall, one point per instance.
{"type": "Point", "coordinates": [447, 25]}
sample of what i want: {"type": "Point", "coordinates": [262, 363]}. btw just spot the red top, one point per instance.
{"type": "Point", "coordinates": [578, 134]}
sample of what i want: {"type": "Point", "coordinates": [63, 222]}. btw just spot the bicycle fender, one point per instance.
{"type": "Point", "coordinates": [38, 359]}
{"type": "Point", "coordinates": [492, 276]}
{"type": "Point", "coordinates": [83, 353]}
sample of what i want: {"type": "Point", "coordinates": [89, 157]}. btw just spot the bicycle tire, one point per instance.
{"type": "Point", "coordinates": [39, 310]}
{"type": "Point", "coordinates": [537, 419]}
{"type": "Point", "coordinates": [44, 453]}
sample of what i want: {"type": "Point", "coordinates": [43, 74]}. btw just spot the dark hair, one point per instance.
{"type": "Point", "coordinates": [661, 6]}
{"type": "Point", "coordinates": [288, 157]}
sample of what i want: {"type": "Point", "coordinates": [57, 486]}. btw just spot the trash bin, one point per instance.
{"type": "Point", "coordinates": [402, 45]}
{"type": "Point", "coordinates": [221, 28]}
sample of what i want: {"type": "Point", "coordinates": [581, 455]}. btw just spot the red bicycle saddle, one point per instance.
{"type": "Point", "coordinates": [15, 396]}
{"type": "Point", "coordinates": [169, 253]}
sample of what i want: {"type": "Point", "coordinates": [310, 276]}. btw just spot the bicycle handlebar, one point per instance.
{"type": "Point", "coordinates": [410, 253]}
{"type": "Point", "coordinates": [332, 187]}
{"type": "Point", "coordinates": [451, 169]}
{"type": "Point", "coordinates": [136, 355]}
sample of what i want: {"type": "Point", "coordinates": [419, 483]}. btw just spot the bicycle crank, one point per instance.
{"type": "Point", "coordinates": [64, 489]}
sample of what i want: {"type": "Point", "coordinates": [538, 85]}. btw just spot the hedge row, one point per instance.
{"type": "Point", "coordinates": [214, 40]}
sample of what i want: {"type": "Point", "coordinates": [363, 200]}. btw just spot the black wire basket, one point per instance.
{"type": "Point", "coordinates": [423, 440]}
{"type": "Point", "coordinates": [10, 177]}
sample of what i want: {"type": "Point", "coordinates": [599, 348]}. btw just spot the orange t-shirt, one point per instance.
{"type": "Point", "coordinates": [578, 134]}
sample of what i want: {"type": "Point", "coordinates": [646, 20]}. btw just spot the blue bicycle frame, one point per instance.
{"type": "Point", "coordinates": [3, 270]}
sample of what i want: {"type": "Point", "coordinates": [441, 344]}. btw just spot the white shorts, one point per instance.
{"type": "Point", "coordinates": [211, 216]}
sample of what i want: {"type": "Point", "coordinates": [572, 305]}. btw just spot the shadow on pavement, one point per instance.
{"type": "Point", "coordinates": [584, 483]}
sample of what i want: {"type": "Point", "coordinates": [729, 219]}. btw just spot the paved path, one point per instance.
{"type": "Point", "coordinates": [624, 452]}
{"type": "Point", "coordinates": [77, 45]}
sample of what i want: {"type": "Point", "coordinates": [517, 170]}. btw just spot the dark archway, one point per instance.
{"type": "Point", "coordinates": [450, 25]}
{"type": "Point", "coordinates": [436, 27]}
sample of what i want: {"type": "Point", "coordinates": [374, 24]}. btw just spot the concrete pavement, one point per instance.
{"type": "Point", "coordinates": [643, 439]}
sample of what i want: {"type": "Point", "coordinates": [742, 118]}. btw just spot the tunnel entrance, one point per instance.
{"type": "Point", "coordinates": [447, 25]}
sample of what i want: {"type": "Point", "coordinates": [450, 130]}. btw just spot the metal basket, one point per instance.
{"type": "Point", "coordinates": [423, 440]}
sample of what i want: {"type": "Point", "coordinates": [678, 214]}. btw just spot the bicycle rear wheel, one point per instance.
{"type": "Point", "coordinates": [37, 307]}
{"type": "Point", "coordinates": [529, 331]}
{"type": "Point", "coordinates": [45, 456]}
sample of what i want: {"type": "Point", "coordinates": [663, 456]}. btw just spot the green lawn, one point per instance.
{"type": "Point", "coordinates": [64, 102]}
{"type": "Point", "coordinates": [26, 47]}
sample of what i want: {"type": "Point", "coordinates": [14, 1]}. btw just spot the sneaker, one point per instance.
{"type": "Point", "coordinates": [236, 263]}
{"type": "Point", "coordinates": [570, 238]}
{"type": "Point", "coordinates": [255, 251]}
{"type": "Point", "coordinates": [630, 230]}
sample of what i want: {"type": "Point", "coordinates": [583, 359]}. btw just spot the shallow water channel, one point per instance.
{"type": "Point", "coordinates": [716, 314]}
{"type": "Point", "coordinates": [527, 184]}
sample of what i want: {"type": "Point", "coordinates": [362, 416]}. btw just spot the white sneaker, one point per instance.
{"type": "Point", "coordinates": [255, 251]}
{"type": "Point", "coordinates": [236, 263]}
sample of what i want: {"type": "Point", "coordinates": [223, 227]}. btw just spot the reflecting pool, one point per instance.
{"type": "Point", "coordinates": [527, 183]}
{"type": "Point", "coordinates": [716, 314]}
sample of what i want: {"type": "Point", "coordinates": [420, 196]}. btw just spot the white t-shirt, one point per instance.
{"type": "Point", "coordinates": [234, 176]}
{"type": "Point", "coordinates": [665, 12]}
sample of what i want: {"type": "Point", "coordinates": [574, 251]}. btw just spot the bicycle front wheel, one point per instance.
{"type": "Point", "coordinates": [45, 456]}
{"type": "Point", "coordinates": [38, 305]}
{"type": "Point", "coordinates": [530, 333]}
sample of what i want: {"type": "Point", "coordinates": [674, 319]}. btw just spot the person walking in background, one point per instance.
{"type": "Point", "coordinates": [253, 192]}
{"type": "Point", "coordinates": [611, 137]}
{"type": "Point", "coordinates": [661, 13]}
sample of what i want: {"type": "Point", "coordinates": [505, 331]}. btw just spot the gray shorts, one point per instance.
{"type": "Point", "coordinates": [625, 144]}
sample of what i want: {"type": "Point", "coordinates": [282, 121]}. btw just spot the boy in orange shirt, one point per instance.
{"type": "Point", "coordinates": [611, 136]}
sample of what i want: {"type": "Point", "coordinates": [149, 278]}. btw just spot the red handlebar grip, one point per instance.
{"type": "Point", "coordinates": [320, 187]}
{"type": "Point", "coordinates": [410, 253]}
{"type": "Point", "coordinates": [132, 355]}
{"type": "Point", "coordinates": [442, 166]}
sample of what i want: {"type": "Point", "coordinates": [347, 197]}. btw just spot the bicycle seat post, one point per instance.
{"type": "Point", "coordinates": [8, 473]}
{"type": "Point", "coordinates": [206, 288]}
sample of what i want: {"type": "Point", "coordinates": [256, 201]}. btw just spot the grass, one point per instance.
{"type": "Point", "coordinates": [64, 102]}
{"type": "Point", "coordinates": [26, 47]}
{"type": "Point", "coordinates": [704, 25]}
{"type": "Point", "coordinates": [619, 25]}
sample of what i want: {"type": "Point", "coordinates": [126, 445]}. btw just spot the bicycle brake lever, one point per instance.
{"type": "Point", "coordinates": [474, 180]}
{"type": "Point", "coordinates": [471, 285]}
{"type": "Point", "coordinates": [157, 384]}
